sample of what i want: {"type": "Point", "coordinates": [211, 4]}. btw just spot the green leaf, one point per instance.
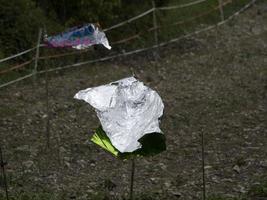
{"type": "Point", "coordinates": [152, 144]}
{"type": "Point", "coordinates": [100, 138]}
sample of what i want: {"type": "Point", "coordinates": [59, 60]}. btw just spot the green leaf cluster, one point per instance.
{"type": "Point", "coordinates": [152, 144]}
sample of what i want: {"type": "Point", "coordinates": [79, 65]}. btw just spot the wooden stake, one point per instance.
{"type": "Point", "coordinates": [37, 54]}
{"type": "Point", "coordinates": [132, 179]}
{"type": "Point", "coordinates": [221, 9]}
{"type": "Point", "coordinates": [2, 163]}
{"type": "Point", "coordinates": [155, 24]}
{"type": "Point", "coordinates": [47, 108]}
{"type": "Point", "coordinates": [203, 165]}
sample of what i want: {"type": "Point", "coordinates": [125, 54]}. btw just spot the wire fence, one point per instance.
{"type": "Point", "coordinates": [156, 27]}
{"type": "Point", "coordinates": [156, 44]}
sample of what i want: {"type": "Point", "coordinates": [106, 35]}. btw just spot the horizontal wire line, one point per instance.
{"type": "Point", "coordinates": [16, 55]}
{"type": "Point", "coordinates": [181, 6]}
{"type": "Point", "coordinates": [18, 66]}
{"type": "Point", "coordinates": [132, 37]}
{"type": "Point", "coordinates": [16, 80]}
{"type": "Point", "coordinates": [130, 20]}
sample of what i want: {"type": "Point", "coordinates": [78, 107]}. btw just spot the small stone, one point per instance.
{"type": "Point", "coordinates": [163, 166]}
{"type": "Point", "coordinates": [242, 189]}
{"type": "Point", "coordinates": [28, 163]}
{"type": "Point", "coordinates": [23, 148]}
{"type": "Point", "coordinates": [67, 163]}
{"type": "Point", "coordinates": [153, 180]}
{"type": "Point", "coordinates": [109, 184]}
{"type": "Point", "coordinates": [90, 191]}
{"type": "Point", "coordinates": [263, 163]}
{"type": "Point", "coordinates": [18, 94]}
{"type": "Point", "coordinates": [176, 193]}
{"type": "Point", "coordinates": [92, 164]}
{"type": "Point", "coordinates": [208, 167]}
{"type": "Point", "coordinates": [62, 149]}
{"type": "Point", "coordinates": [44, 116]}
{"type": "Point", "coordinates": [236, 168]}
{"type": "Point", "coordinates": [167, 184]}
{"type": "Point", "coordinates": [82, 163]}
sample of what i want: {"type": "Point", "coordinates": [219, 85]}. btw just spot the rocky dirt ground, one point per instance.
{"type": "Point", "coordinates": [213, 84]}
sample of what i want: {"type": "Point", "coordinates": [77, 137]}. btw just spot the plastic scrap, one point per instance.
{"type": "Point", "coordinates": [79, 38]}
{"type": "Point", "coordinates": [127, 110]}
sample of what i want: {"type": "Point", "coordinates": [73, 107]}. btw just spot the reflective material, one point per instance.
{"type": "Point", "coordinates": [127, 110]}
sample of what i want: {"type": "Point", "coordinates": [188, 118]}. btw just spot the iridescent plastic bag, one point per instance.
{"type": "Point", "coordinates": [79, 38]}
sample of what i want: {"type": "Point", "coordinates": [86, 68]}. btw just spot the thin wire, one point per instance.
{"type": "Point", "coordinates": [16, 67]}
{"type": "Point", "coordinates": [182, 5]}
{"type": "Point", "coordinates": [19, 54]}
{"type": "Point", "coordinates": [16, 55]}
{"type": "Point", "coordinates": [148, 48]}
{"type": "Point", "coordinates": [16, 80]}
{"type": "Point", "coordinates": [168, 25]}
{"type": "Point", "coordinates": [63, 54]}
{"type": "Point", "coordinates": [129, 20]}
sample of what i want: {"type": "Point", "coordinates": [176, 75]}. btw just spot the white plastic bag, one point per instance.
{"type": "Point", "coordinates": [127, 110]}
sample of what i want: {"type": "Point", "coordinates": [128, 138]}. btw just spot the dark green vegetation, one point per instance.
{"type": "Point", "coordinates": [21, 19]}
{"type": "Point", "coordinates": [214, 83]}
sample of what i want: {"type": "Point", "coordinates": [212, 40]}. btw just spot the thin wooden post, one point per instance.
{"type": "Point", "coordinates": [155, 24]}
{"type": "Point", "coordinates": [254, 3]}
{"type": "Point", "coordinates": [203, 165]}
{"type": "Point", "coordinates": [221, 9]}
{"type": "Point", "coordinates": [132, 179]}
{"type": "Point", "coordinates": [37, 54]}
{"type": "Point", "coordinates": [2, 163]}
{"type": "Point", "coordinates": [47, 108]}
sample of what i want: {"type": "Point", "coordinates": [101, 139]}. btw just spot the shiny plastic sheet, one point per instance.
{"type": "Point", "coordinates": [127, 110]}
{"type": "Point", "coordinates": [79, 38]}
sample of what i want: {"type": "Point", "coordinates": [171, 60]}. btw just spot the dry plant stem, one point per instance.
{"type": "Point", "coordinates": [47, 109]}
{"type": "Point", "coordinates": [37, 54]}
{"type": "Point", "coordinates": [203, 165]}
{"type": "Point", "coordinates": [3, 172]}
{"type": "Point", "coordinates": [221, 9]}
{"type": "Point", "coordinates": [155, 25]}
